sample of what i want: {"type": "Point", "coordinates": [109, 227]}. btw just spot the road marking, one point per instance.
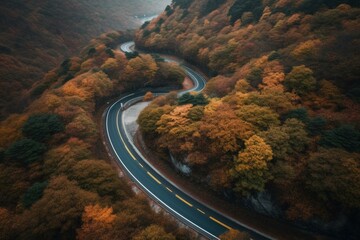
{"type": "Point", "coordinates": [169, 189]}
{"type": "Point", "coordinates": [222, 224]}
{"type": "Point", "coordinates": [154, 178]}
{"type": "Point", "coordinates": [200, 211]}
{"type": "Point", "coordinates": [141, 165]}
{"type": "Point", "coordinates": [184, 200]}
{"type": "Point", "coordinates": [117, 126]}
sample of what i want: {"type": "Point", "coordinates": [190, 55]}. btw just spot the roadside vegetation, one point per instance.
{"type": "Point", "coordinates": [36, 36]}
{"type": "Point", "coordinates": [54, 183]}
{"type": "Point", "coordinates": [280, 115]}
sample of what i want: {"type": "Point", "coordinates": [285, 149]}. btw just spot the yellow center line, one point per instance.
{"type": "Point", "coordinates": [118, 129]}
{"type": "Point", "coordinates": [200, 211]}
{"type": "Point", "coordinates": [222, 224]}
{"type": "Point", "coordinates": [169, 189]}
{"type": "Point", "coordinates": [141, 165]}
{"type": "Point", "coordinates": [184, 200]}
{"type": "Point", "coordinates": [154, 178]}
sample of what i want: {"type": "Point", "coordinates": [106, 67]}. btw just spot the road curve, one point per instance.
{"type": "Point", "coordinates": [191, 212]}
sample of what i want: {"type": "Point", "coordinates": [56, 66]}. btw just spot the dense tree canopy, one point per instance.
{"type": "Point", "coordinates": [40, 127]}
{"type": "Point", "coordinates": [72, 193]}
{"type": "Point", "coordinates": [281, 71]}
{"type": "Point", "coordinates": [26, 151]}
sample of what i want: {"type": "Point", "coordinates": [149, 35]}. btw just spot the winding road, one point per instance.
{"type": "Point", "coordinates": [191, 212]}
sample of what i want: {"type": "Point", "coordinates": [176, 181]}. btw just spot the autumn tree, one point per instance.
{"type": "Point", "coordinates": [148, 97]}
{"type": "Point", "coordinates": [61, 159]}
{"type": "Point", "coordinates": [261, 117]}
{"type": "Point", "coordinates": [251, 166]}
{"type": "Point", "coordinates": [169, 74]}
{"type": "Point", "coordinates": [233, 234]}
{"type": "Point", "coordinates": [140, 71]}
{"type": "Point", "coordinates": [13, 183]}
{"type": "Point", "coordinates": [176, 130]}
{"type": "Point", "coordinates": [226, 131]}
{"type": "Point", "coordinates": [196, 113]}
{"type": "Point", "coordinates": [98, 176]}
{"type": "Point", "coordinates": [83, 127]}
{"type": "Point", "coordinates": [111, 67]}
{"type": "Point", "coordinates": [219, 86]}
{"type": "Point", "coordinates": [149, 117]}
{"type": "Point", "coordinates": [97, 223]}
{"type": "Point", "coordinates": [301, 80]}
{"type": "Point", "coordinates": [299, 139]}
{"type": "Point", "coordinates": [333, 174]}
{"type": "Point", "coordinates": [133, 214]}
{"type": "Point", "coordinates": [11, 129]}
{"type": "Point", "coordinates": [58, 212]}
{"type": "Point", "coordinates": [154, 232]}
{"type": "Point", "coordinates": [6, 223]}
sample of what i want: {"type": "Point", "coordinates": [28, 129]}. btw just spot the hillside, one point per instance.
{"type": "Point", "coordinates": [55, 181]}
{"type": "Point", "coordinates": [279, 118]}
{"type": "Point", "coordinates": [35, 36]}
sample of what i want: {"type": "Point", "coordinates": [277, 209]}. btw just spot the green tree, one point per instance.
{"type": "Point", "coordinates": [26, 151]}
{"type": "Point", "coordinates": [316, 125]}
{"type": "Point", "coordinates": [34, 193]}
{"type": "Point", "coordinates": [301, 80]}
{"type": "Point", "coordinates": [298, 113]}
{"type": "Point", "coordinates": [131, 55]}
{"type": "Point", "coordinates": [40, 127]}
{"type": "Point", "coordinates": [255, 76]}
{"type": "Point", "coordinates": [185, 99]}
{"type": "Point", "coordinates": [242, 6]}
{"type": "Point", "coordinates": [198, 99]}
{"type": "Point", "coordinates": [345, 136]}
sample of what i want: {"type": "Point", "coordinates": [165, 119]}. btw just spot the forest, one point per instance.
{"type": "Point", "coordinates": [280, 113]}
{"type": "Point", "coordinates": [54, 181]}
{"type": "Point", "coordinates": [279, 117]}
{"type": "Point", "coordinates": [36, 36]}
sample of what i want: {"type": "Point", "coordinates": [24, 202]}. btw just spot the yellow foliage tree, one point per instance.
{"type": "Point", "coordinates": [97, 223]}
{"type": "Point", "coordinates": [251, 169]}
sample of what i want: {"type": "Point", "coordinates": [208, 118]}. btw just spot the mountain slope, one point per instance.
{"type": "Point", "coordinates": [280, 119]}
{"type": "Point", "coordinates": [35, 36]}
{"type": "Point", "coordinates": [54, 180]}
